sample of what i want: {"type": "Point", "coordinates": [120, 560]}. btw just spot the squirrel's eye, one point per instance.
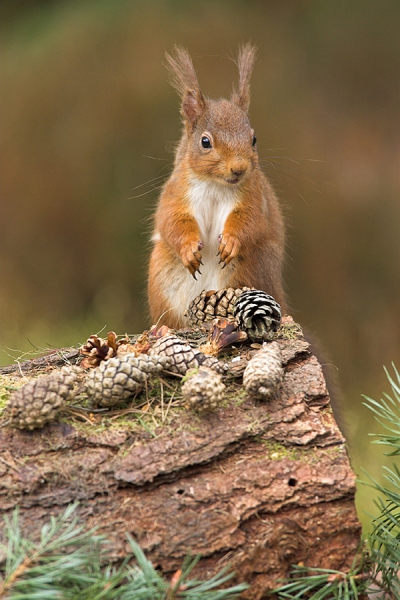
{"type": "Point", "coordinates": [205, 142]}
{"type": "Point", "coordinates": [254, 140]}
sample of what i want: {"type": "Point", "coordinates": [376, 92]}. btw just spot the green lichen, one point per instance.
{"type": "Point", "coordinates": [306, 454]}
{"type": "Point", "coordinates": [254, 425]}
{"type": "Point", "coordinates": [278, 451]}
{"type": "Point", "coordinates": [237, 396]}
{"type": "Point", "coordinates": [8, 384]}
{"type": "Point", "coordinates": [289, 331]}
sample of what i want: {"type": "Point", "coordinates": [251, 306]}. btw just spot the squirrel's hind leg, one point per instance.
{"type": "Point", "coordinates": [166, 294]}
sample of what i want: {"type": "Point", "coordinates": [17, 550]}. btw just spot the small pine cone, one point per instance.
{"type": "Point", "coordinates": [97, 349]}
{"type": "Point", "coordinates": [203, 390]}
{"type": "Point", "coordinates": [211, 362]}
{"type": "Point", "coordinates": [210, 305]}
{"type": "Point", "coordinates": [223, 332]}
{"type": "Point", "coordinates": [258, 314]}
{"type": "Point", "coordinates": [264, 373]}
{"type": "Point", "coordinates": [183, 357]}
{"type": "Point", "coordinates": [121, 377]}
{"type": "Point", "coordinates": [39, 401]}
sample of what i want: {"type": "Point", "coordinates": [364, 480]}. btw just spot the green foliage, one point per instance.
{"type": "Point", "coordinates": [320, 584]}
{"type": "Point", "coordinates": [387, 413]}
{"type": "Point", "coordinates": [67, 564]}
{"type": "Point", "coordinates": [376, 568]}
{"type": "Point", "coordinates": [385, 537]}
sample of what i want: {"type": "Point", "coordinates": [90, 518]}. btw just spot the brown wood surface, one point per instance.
{"type": "Point", "coordinates": [259, 486]}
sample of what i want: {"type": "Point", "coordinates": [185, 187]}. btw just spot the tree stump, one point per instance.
{"type": "Point", "coordinates": [255, 485]}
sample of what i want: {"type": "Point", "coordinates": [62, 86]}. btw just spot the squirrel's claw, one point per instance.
{"type": "Point", "coordinates": [228, 249]}
{"type": "Point", "coordinates": [191, 257]}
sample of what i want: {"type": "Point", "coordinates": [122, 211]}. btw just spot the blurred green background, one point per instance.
{"type": "Point", "coordinates": [88, 126]}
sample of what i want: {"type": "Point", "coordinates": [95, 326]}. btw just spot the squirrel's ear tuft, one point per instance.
{"type": "Point", "coordinates": [245, 62]}
{"type": "Point", "coordinates": [192, 108]}
{"type": "Point", "coordinates": [183, 77]}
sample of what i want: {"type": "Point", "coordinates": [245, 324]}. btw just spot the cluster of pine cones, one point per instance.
{"type": "Point", "coordinates": [118, 369]}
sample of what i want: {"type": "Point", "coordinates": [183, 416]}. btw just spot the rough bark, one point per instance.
{"type": "Point", "coordinates": [259, 486]}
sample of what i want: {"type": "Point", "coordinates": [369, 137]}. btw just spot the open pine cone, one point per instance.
{"type": "Point", "coordinates": [223, 332]}
{"type": "Point", "coordinates": [209, 305]}
{"type": "Point", "coordinates": [97, 349]}
{"type": "Point", "coordinates": [258, 314]}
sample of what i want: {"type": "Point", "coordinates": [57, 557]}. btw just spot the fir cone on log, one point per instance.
{"type": "Point", "coordinates": [223, 333]}
{"type": "Point", "coordinates": [264, 373]}
{"type": "Point", "coordinates": [258, 314]}
{"type": "Point", "coordinates": [183, 357]}
{"type": "Point", "coordinates": [97, 349]}
{"type": "Point", "coordinates": [121, 377]}
{"type": "Point", "coordinates": [203, 390]}
{"type": "Point", "coordinates": [211, 304]}
{"type": "Point", "coordinates": [39, 401]}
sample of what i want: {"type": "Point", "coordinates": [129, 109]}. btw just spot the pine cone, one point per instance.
{"type": "Point", "coordinates": [97, 349]}
{"type": "Point", "coordinates": [141, 346]}
{"type": "Point", "coordinates": [121, 377]}
{"type": "Point", "coordinates": [223, 332]}
{"type": "Point", "coordinates": [183, 357]}
{"type": "Point", "coordinates": [39, 401]}
{"type": "Point", "coordinates": [203, 390]}
{"type": "Point", "coordinates": [210, 305]}
{"type": "Point", "coordinates": [258, 314]}
{"type": "Point", "coordinates": [264, 373]}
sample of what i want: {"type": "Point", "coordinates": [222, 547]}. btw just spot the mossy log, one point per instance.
{"type": "Point", "coordinates": [258, 486]}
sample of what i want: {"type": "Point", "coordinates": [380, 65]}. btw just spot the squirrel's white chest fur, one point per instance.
{"type": "Point", "coordinates": [211, 203]}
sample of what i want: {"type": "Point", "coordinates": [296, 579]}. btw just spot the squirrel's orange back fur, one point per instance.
{"type": "Point", "coordinates": [218, 222]}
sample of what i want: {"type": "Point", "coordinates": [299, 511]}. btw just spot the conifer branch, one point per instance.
{"type": "Point", "coordinates": [68, 564]}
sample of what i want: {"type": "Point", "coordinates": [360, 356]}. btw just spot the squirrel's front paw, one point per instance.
{"type": "Point", "coordinates": [228, 248]}
{"type": "Point", "coordinates": [191, 257]}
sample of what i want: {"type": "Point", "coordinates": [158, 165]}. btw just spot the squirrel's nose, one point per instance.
{"type": "Point", "coordinates": [237, 171]}
{"type": "Point", "coordinates": [238, 167]}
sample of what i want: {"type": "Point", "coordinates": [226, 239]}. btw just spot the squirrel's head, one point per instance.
{"type": "Point", "coordinates": [221, 144]}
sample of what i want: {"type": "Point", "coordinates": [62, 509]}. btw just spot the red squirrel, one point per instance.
{"type": "Point", "coordinates": [218, 223]}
